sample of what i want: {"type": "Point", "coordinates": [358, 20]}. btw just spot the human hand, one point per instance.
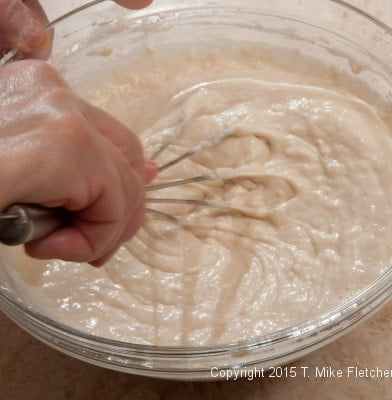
{"type": "Point", "coordinates": [22, 27]}
{"type": "Point", "coordinates": [57, 150]}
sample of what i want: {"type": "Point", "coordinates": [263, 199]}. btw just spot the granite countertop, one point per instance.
{"type": "Point", "coordinates": [32, 370]}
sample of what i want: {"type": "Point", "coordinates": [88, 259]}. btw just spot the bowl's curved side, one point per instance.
{"type": "Point", "coordinates": [269, 19]}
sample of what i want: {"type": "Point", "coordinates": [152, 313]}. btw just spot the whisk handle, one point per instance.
{"type": "Point", "coordinates": [23, 223]}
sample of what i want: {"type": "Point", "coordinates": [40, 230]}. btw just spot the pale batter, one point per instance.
{"type": "Point", "coordinates": [305, 178]}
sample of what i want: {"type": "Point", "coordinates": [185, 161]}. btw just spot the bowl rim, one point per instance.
{"type": "Point", "coordinates": [380, 289]}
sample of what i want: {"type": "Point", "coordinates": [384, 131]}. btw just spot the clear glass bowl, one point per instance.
{"type": "Point", "coordinates": [350, 42]}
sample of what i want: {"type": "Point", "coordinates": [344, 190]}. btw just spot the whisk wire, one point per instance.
{"type": "Point", "coordinates": [169, 140]}
{"type": "Point", "coordinates": [197, 148]}
{"type": "Point", "coordinates": [180, 201]}
{"type": "Point", "coordinates": [161, 214]}
{"type": "Point", "coordinates": [200, 178]}
{"type": "Point", "coordinates": [188, 153]}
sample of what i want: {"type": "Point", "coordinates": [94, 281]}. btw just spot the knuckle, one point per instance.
{"type": "Point", "coordinates": [59, 96]}
{"type": "Point", "coordinates": [68, 124]}
{"type": "Point", "coordinates": [74, 130]}
{"type": "Point", "coordinates": [19, 68]}
{"type": "Point", "coordinates": [42, 67]}
{"type": "Point", "coordinates": [39, 67]}
{"type": "Point", "coordinates": [30, 76]}
{"type": "Point", "coordinates": [41, 73]}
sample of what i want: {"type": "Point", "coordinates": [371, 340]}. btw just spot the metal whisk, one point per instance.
{"type": "Point", "coordinates": [23, 223]}
{"type": "Point", "coordinates": [220, 173]}
{"type": "Point", "coordinates": [216, 139]}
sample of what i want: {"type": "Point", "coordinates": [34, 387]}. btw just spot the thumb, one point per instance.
{"type": "Point", "coordinates": [19, 28]}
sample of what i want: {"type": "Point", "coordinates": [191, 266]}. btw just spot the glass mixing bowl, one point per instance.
{"type": "Point", "coordinates": [352, 44]}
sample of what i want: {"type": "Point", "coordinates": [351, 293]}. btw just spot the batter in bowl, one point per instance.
{"type": "Point", "coordinates": [308, 224]}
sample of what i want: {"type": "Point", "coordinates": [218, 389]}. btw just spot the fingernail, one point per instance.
{"type": "Point", "coordinates": [33, 36]}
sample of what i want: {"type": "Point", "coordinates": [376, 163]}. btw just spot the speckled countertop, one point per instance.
{"type": "Point", "coordinates": [31, 370]}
